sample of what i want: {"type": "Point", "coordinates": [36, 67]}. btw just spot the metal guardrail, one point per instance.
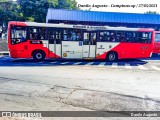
{"type": "Point", "coordinates": [3, 45]}
{"type": "Point", "coordinates": [4, 52]}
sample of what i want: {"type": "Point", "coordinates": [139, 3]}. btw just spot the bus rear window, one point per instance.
{"type": "Point", "coordinates": [157, 37]}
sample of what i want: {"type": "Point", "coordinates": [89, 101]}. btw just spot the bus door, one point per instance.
{"type": "Point", "coordinates": [55, 36]}
{"type": "Point", "coordinates": [89, 44]}
{"type": "Point", "coordinates": [72, 44]}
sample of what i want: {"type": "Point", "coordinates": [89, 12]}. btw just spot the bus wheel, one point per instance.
{"type": "Point", "coordinates": [38, 55]}
{"type": "Point", "coordinates": [112, 56]}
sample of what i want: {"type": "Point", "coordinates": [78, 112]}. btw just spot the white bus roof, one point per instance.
{"type": "Point", "coordinates": [88, 27]}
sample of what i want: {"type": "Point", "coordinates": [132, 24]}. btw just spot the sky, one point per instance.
{"type": "Point", "coordinates": [133, 6]}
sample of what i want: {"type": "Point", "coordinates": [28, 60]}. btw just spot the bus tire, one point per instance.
{"type": "Point", "coordinates": [112, 56]}
{"type": "Point", "coordinates": [39, 55]}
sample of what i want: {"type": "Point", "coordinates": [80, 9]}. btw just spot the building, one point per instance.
{"type": "Point", "coordinates": [103, 18]}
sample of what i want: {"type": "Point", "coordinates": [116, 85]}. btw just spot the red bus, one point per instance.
{"type": "Point", "coordinates": [156, 48]}
{"type": "Point", "coordinates": [42, 40]}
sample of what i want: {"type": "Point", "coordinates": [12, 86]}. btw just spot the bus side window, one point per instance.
{"type": "Point", "coordinates": [67, 34]}
{"type": "Point", "coordinates": [129, 36]}
{"type": "Point", "coordinates": [121, 36]}
{"type": "Point", "coordinates": [51, 35]}
{"type": "Point", "coordinates": [104, 36]}
{"type": "Point", "coordinates": [93, 39]}
{"type": "Point", "coordinates": [72, 35]}
{"type": "Point", "coordinates": [149, 37]}
{"type": "Point", "coordinates": [37, 33]}
{"type": "Point", "coordinates": [112, 36]}
{"type": "Point", "coordinates": [33, 33]}
{"type": "Point", "coordinates": [42, 33]}
{"type": "Point", "coordinates": [58, 36]}
{"type": "Point", "coordinates": [135, 38]}
{"type": "Point", "coordinates": [79, 36]}
{"type": "Point", "coordinates": [140, 37]}
{"type": "Point", "coordinates": [75, 34]}
{"type": "Point", "coordinates": [86, 38]}
{"type": "Point", "coordinates": [144, 37]}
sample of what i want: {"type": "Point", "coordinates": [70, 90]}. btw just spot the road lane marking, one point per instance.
{"type": "Point", "coordinates": [128, 66]}
{"type": "Point", "coordinates": [52, 62]}
{"type": "Point", "coordinates": [30, 63]}
{"type": "Point", "coordinates": [114, 65]}
{"type": "Point", "coordinates": [77, 63]}
{"type": "Point", "coordinates": [45, 64]}
{"type": "Point", "coordinates": [64, 63]}
{"type": "Point", "coordinates": [90, 63]}
{"type": "Point", "coordinates": [17, 64]}
{"type": "Point", "coordinates": [101, 64]}
{"type": "Point", "coordinates": [156, 68]}
{"type": "Point", "coordinates": [142, 67]}
{"type": "Point", "coordinates": [42, 62]}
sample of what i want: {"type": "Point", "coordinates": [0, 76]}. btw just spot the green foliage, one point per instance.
{"type": "Point", "coordinates": [9, 11]}
{"type": "Point", "coordinates": [67, 4]}
{"type": "Point", "coordinates": [29, 19]}
{"type": "Point", "coordinates": [30, 10]}
{"type": "Point", "coordinates": [5, 1]}
{"type": "Point", "coordinates": [37, 9]}
{"type": "Point", "coordinates": [151, 12]}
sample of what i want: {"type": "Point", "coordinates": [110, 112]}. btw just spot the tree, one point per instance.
{"type": "Point", "coordinates": [151, 12]}
{"type": "Point", "coordinates": [67, 4]}
{"type": "Point", "coordinates": [9, 11]}
{"type": "Point", "coordinates": [34, 10]}
{"type": "Point", "coordinates": [30, 10]}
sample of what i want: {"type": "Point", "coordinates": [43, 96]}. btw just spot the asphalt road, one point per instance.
{"type": "Point", "coordinates": [76, 85]}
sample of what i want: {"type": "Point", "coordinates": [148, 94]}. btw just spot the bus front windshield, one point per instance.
{"type": "Point", "coordinates": [157, 37]}
{"type": "Point", "coordinates": [18, 34]}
